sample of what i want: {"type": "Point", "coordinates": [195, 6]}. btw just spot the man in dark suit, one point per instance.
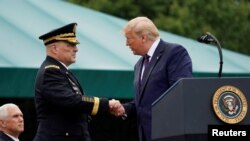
{"type": "Point", "coordinates": [4, 137]}
{"type": "Point", "coordinates": [11, 122]}
{"type": "Point", "coordinates": [160, 66]}
{"type": "Point", "coordinates": [63, 110]}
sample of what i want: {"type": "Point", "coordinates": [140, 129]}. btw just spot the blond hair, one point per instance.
{"type": "Point", "coordinates": [142, 26]}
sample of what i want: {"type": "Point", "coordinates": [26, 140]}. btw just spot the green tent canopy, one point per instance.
{"type": "Point", "coordinates": [104, 64]}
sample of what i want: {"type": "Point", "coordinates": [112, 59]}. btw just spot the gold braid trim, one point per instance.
{"type": "Point", "coordinates": [60, 37]}
{"type": "Point", "coordinates": [96, 106]}
{"type": "Point", "coordinates": [52, 66]}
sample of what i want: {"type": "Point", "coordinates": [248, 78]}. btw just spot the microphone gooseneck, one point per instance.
{"type": "Point", "coordinates": [209, 38]}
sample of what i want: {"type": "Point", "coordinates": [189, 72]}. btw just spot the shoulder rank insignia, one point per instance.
{"type": "Point", "coordinates": [52, 66]}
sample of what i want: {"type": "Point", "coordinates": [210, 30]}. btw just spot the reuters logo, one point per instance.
{"type": "Point", "coordinates": [229, 104]}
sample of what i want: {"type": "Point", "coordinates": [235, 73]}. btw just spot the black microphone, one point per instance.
{"type": "Point", "coordinates": [209, 38]}
{"type": "Point", "coordinates": [206, 38]}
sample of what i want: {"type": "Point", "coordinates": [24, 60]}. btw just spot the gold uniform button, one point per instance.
{"type": "Point", "coordinates": [66, 134]}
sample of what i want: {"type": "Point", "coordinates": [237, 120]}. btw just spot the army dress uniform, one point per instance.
{"type": "Point", "coordinates": [62, 108]}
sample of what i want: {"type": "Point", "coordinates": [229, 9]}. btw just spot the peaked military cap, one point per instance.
{"type": "Point", "coordinates": [66, 33]}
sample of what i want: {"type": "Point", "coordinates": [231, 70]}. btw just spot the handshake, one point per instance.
{"type": "Point", "coordinates": [116, 108]}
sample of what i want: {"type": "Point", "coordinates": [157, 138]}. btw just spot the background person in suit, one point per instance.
{"type": "Point", "coordinates": [63, 110]}
{"type": "Point", "coordinates": [167, 63]}
{"type": "Point", "coordinates": [11, 122]}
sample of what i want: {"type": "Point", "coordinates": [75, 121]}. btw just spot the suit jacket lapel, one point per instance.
{"type": "Point", "coordinates": [155, 58]}
{"type": "Point", "coordinates": [153, 62]}
{"type": "Point", "coordinates": [138, 74]}
{"type": "Point", "coordinates": [5, 137]}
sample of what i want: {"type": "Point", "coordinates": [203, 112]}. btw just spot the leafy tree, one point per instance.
{"type": "Point", "coordinates": [228, 20]}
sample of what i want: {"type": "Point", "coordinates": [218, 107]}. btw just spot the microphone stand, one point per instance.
{"type": "Point", "coordinates": [208, 37]}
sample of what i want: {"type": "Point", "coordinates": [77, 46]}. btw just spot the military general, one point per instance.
{"type": "Point", "coordinates": [63, 109]}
